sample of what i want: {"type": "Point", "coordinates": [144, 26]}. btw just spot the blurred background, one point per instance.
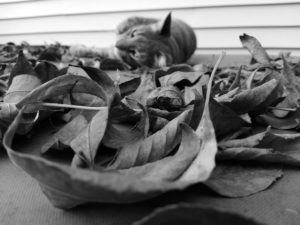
{"type": "Point", "coordinates": [218, 23]}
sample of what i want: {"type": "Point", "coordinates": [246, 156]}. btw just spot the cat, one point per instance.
{"type": "Point", "coordinates": [149, 42]}
{"type": "Point", "coordinates": [154, 43]}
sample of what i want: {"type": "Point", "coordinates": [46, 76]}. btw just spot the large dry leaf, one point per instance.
{"type": "Point", "coordinates": [264, 147]}
{"type": "Point", "coordinates": [234, 181]}
{"type": "Point", "coordinates": [67, 187]}
{"type": "Point", "coordinates": [193, 214]}
{"type": "Point", "coordinates": [255, 49]}
{"type": "Point", "coordinates": [256, 100]}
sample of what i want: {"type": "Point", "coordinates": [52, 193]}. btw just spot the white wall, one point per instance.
{"type": "Point", "coordinates": [218, 23]}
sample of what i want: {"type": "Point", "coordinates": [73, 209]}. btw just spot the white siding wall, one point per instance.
{"type": "Point", "coordinates": [218, 23]}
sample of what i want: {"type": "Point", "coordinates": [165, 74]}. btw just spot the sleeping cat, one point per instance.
{"type": "Point", "coordinates": [149, 42]}
{"type": "Point", "coordinates": [154, 43]}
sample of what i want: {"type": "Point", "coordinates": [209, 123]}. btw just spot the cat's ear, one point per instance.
{"type": "Point", "coordinates": [165, 28]}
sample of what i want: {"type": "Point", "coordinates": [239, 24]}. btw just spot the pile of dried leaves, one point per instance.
{"type": "Point", "coordinates": [108, 134]}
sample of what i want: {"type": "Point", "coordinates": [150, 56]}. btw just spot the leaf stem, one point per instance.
{"type": "Point", "coordinates": [68, 106]}
{"type": "Point", "coordinates": [209, 85]}
{"type": "Point", "coordinates": [6, 75]}
{"type": "Point", "coordinates": [58, 105]}
{"type": "Point", "coordinates": [283, 109]}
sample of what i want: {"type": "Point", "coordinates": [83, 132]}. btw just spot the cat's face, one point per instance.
{"type": "Point", "coordinates": [143, 45]}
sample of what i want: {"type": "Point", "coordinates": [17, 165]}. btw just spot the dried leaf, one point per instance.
{"type": "Point", "coordinates": [103, 79]}
{"type": "Point", "coordinates": [121, 131]}
{"type": "Point", "coordinates": [255, 49]}
{"type": "Point", "coordinates": [22, 81]}
{"type": "Point", "coordinates": [129, 86]}
{"type": "Point", "coordinates": [196, 116]}
{"type": "Point", "coordinates": [113, 64]}
{"type": "Point", "coordinates": [292, 121]}
{"type": "Point", "coordinates": [250, 141]}
{"type": "Point", "coordinates": [76, 70]}
{"type": "Point", "coordinates": [86, 143]}
{"type": "Point", "coordinates": [174, 68]}
{"type": "Point", "coordinates": [147, 85]}
{"type": "Point", "coordinates": [256, 100]}
{"type": "Point", "coordinates": [46, 71]}
{"type": "Point", "coordinates": [192, 163]}
{"type": "Point", "coordinates": [22, 66]}
{"type": "Point", "coordinates": [168, 98]}
{"type": "Point", "coordinates": [235, 181]}
{"type": "Point", "coordinates": [227, 97]}
{"type": "Point", "coordinates": [191, 214]}
{"type": "Point", "coordinates": [264, 147]}
{"type": "Point", "coordinates": [292, 85]}
{"type": "Point", "coordinates": [62, 86]}
{"type": "Point", "coordinates": [188, 93]}
{"type": "Point", "coordinates": [156, 123]}
{"type": "Point", "coordinates": [66, 134]}
{"type": "Point", "coordinates": [173, 79]}
{"type": "Point", "coordinates": [67, 187]}
{"type": "Point", "coordinates": [152, 148]}
{"type": "Point", "coordinates": [224, 119]}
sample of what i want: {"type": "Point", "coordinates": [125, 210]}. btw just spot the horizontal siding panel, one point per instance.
{"type": "Point", "coordinates": [283, 37]}
{"type": "Point", "coordinates": [287, 37]}
{"type": "Point", "coordinates": [99, 39]}
{"type": "Point", "coordinates": [241, 51]}
{"type": "Point", "coordinates": [64, 7]}
{"type": "Point", "coordinates": [15, 1]}
{"type": "Point", "coordinates": [198, 18]}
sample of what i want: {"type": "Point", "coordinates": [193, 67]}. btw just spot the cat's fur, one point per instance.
{"type": "Point", "coordinates": [151, 42]}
